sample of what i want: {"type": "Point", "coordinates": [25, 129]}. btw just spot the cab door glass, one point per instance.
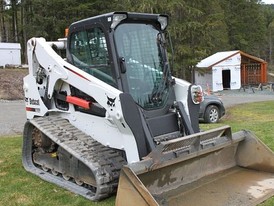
{"type": "Point", "coordinates": [89, 52]}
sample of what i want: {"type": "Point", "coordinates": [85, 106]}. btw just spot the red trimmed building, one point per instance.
{"type": "Point", "coordinates": [230, 70]}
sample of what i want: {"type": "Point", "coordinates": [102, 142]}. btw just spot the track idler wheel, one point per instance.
{"type": "Point", "coordinates": [79, 182]}
{"type": "Point", "coordinates": [55, 173]}
{"type": "Point", "coordinates": [66, 177]}
{"type": "Point", "coordinates": [44, 168]}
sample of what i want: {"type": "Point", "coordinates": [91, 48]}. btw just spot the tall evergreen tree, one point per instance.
{"type": "Point", "coordinates": [246, 25]}
{"type": "Point", "coordinates": [268, 12]}
{"type": "Point", "coordinates": [198, 28]}
{"type": "Point", "coordinates": [216, 30]}
{"type": "Point", "coordinates": [3, 34]}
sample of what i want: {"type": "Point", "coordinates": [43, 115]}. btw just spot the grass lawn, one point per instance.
{"type": "Point", "coordinates": [256, 117]}
{"type": "Point", "coordinates": [18, 187]}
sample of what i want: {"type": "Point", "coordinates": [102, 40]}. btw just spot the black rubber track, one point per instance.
{"type": "Point", "coordinates": [105, 163]}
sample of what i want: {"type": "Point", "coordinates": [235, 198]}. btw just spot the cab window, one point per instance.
{"type": "Point", "coordinates": [89, 52]}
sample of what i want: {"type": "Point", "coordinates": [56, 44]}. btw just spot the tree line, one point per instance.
{"type": "Point", "coordinates": [198, 28]}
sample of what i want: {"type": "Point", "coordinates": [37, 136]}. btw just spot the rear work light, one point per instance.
{"type": "Point", "coordinates": [197, 94]}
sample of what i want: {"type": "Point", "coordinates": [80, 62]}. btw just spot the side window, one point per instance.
{"type": "Point", "coordinates": [79, 49]}
{"type": "Point", "coordinates": [98, 47]}
{"type": "Point", "coordinates": [90, 53]}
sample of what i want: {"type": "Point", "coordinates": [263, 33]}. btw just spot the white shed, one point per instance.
{"type": "Point", "coordinates": [10, 54]}
{"type": "Point", "coordinates": [229, 70]}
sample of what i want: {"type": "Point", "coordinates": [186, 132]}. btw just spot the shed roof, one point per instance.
{"type": "Point", "coordinates": [221, 56]}
{"type": "Point", "coordinates": [10, 46]}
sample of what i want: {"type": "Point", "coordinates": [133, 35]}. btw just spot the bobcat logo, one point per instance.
{"type": "Point", "coordinates": [111, 101]}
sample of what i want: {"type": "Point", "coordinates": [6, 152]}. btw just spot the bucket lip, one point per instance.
{"type": "Point", "coordinates": [158, 159]}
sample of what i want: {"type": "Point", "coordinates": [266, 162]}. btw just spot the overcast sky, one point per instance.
{"type": "Point", "coordinates": [268, 1]}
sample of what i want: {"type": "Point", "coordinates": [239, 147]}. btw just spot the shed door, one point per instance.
{"type": "Point", "coordinates": [235, 77]}
{"type": "Point", "coordinates": [226, 78]}
{"type": "Point", "coordinates": [217, 80]}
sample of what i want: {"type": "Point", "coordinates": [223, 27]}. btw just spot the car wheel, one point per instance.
{"type": "Point", "coordinates": [212, 114]}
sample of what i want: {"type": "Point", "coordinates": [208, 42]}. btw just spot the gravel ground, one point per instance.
{"type": "Point", "coordinates": [234, 97]}
{"type": "Point", "coordinates": [13, 114]}
{"type": "Point", "coordinates": [12, 118]}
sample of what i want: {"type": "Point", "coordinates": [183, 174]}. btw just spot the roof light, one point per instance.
{"type": "Point", "coordinates": [117, 18]}
{"type": "Point", "coordinates": [163, 21]}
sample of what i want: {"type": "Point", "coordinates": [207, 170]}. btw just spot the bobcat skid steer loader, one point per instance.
{"type": "Point", "coordinates": [111, 115]}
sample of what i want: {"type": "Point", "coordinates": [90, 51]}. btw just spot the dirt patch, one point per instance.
{"type": "Point", "coordinates": [11, 83]}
